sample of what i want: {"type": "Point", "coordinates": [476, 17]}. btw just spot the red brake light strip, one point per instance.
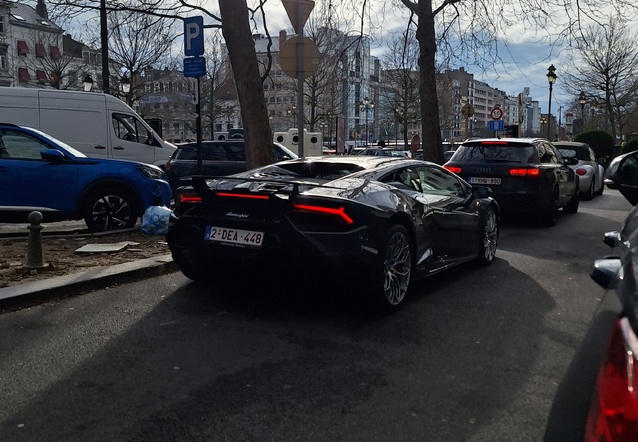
{"type": "Point", "coordinates": [340, 211]}
{"type": "Point", "coordinates": [243, 195]}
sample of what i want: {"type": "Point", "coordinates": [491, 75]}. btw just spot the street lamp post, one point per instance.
{"type": "Point", "coordinates": [125, 84]}
{"type": "Point", "coordinates": [88, 83]}
{"type": "Point", "coordinates": [551, 78]}
{"type": "Point", "coordinates": [582, 100]}
{"type": "Point", "coordinates": [593, 105]}
{"type": "Point", "coordinates": [366, 105]}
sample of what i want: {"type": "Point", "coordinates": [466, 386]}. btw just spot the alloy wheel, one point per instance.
{"type": "Point", "coordinates": [397, 267]}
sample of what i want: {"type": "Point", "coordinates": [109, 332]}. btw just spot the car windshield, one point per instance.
{"type": "Point", "coordinates": [213, 152]}
{"type": "Point", "coordinates": [483, 152]}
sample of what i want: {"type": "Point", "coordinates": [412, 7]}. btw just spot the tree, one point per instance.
{"type": "Point", "coordinates": [138, 41]}
{"type": "Point", "coordinates": [401, 78]}
{"type": "Point", "coordinates": [605, 61]}
{"type": "Point", "coordinates": [600, 141]}
{"type": "Point", "coordinates": [250, 89]}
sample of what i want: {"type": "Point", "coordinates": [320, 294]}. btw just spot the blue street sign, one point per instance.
{"type": "Point", "coordinates": [498, 125]}
{"type": "Point", "coordinates": [194, 67]}
{"type": "Point", "coordinates": [193, 36]}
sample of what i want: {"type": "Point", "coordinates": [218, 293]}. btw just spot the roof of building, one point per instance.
{"type": "Point", "coordinates": [26, 15]}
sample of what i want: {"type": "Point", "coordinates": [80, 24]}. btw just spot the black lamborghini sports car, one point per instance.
{"type": "Point", "coordinates": [383, 220]}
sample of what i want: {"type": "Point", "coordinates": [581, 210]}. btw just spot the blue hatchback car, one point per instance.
{"type": "Point", "coordinates": [39, 172]}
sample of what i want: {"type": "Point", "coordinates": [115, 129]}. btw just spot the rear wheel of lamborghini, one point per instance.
{"type": "Point", "coordinates": [394, 269]}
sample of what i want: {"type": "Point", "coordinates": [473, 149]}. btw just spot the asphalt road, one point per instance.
{"type": "Point", "coordinates": [476, 354]}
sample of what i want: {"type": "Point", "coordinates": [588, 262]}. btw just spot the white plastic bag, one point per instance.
{"type": "Point", "coordinates": [155, 220]}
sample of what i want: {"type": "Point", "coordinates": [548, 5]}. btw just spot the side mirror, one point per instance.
{"type": "Point", "coordinates": [52, 155]}
{"type": "Point", "coordinates": [482, 192]}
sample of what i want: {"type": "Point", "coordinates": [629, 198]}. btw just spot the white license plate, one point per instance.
{"type": "Point", "coordinates": [238, 237]}
{"type": "Point", "coordinates": [485, 181]}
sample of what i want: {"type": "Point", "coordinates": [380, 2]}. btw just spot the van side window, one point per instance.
{"type": "Point", "coordinates": [129, 128]}
{"type": "Point", "coordinates": [20, 146]}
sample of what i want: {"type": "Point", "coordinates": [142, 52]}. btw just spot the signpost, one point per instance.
{"type": "Point", "coordinates": [497, 125]}
{"type": "Point", "coordinates": [298, 12]}
{"type": "Point", "coordinates": [195, 66]}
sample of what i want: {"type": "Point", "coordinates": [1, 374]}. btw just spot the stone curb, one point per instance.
{"type": "Point", "coordinates": [91, 279]}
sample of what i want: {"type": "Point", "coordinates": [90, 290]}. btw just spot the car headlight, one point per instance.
{"type": "Point", "coordinates": [152, 172]}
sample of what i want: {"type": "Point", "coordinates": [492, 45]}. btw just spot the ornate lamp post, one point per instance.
{"type": "Point", "coordinates": [88, 83]}
{"type": "Point", "coordinates": [366, 105]}
{"type": "Point", "coordinates": [551, 79]}
{"type": "Point", "coordinates": [125, 84]}
{"type": "Point", "coordinates": [582, 100]}
{"type": "Point", "coordinates": [593, 105]}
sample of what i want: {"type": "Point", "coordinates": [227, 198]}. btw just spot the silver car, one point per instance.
{"type": "Point", "coordinates": [590, 173]}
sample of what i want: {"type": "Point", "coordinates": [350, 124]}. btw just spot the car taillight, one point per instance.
{"type": "Point", "coordinates": [186, 198]}
{"type": "Point", "coordinates": [581, 171]}
{"type": "Point", "coordinates": [453, 169]}
{"type": "Point", "coordinates": [525, 172]}
{"type": "Point", "coordinates": [167, 166]}
{"type": "Point", "coordinates": [327, 210]}
{"type": "Point", "coordinates": [613, 413]}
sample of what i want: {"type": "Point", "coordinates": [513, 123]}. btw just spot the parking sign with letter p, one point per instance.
{"type": "Point", "coordinates": [194, 36]}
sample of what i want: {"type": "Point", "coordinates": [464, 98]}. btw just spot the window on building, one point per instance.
{"type": "Point", "coordinates": [41, 76]}
{"type": "Point", "coordinates": [23, 48]}
{"type": "Point", "coordinates": [1, 25]}
{"type": "Point", "coordinates": [39, 50]}
{"type": "Point", "coordinates": [55, 52]}
{"type": "Point", "coordinates": [23, 74]}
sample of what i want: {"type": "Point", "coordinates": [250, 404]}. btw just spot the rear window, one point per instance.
{"type": "Point", "coordinates": [212, 152]}
{"type": "Point", "coordinates": [508, 152]}
{"type": "Point", "coordinates": [313, 169]}
{"type": "Point", "coordinates": [581, 153]}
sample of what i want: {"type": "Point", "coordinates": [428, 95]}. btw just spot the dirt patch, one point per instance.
{"type": "Point", "coordinates": [60, 258]}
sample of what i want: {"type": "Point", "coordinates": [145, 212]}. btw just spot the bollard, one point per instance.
{"type": "Point", "coordinates": [34, 250]}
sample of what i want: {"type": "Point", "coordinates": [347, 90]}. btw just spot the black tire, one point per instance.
{"type": "Point", "coordinates": [195, 271]}
{"type": "Point", "coordinates": [391, 279]}
{"type": "Point", "coordinates": [589, 195]}
{"type": "Point", "coordinates": [602, 189]}
{"type": "Point", "coordinates": [574, 202]}
{"type": "Point", "coordinates": [489, 238]}
{"type": "Point", "coordinates": [110, 209]}
{"type": "Point", "coordinates": [548, 212]}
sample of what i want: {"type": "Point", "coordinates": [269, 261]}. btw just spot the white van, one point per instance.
{"type": "Point", "coordinates": [96, 124]}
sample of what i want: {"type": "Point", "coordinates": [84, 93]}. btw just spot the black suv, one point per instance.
{"type": "Point", "coordinates": [219, 158]}
{"type": "Point", "coordinates": [525, 174]}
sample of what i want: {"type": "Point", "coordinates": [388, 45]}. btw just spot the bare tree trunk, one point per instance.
{"type": "Point", "coordinates": [430, 130]}
{"type": "Point", "coordinates": [243, 58]}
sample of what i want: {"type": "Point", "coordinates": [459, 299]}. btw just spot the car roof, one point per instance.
{"type": "Point", "coordinates": [364, 161]}
{"type": "Point", "coordinates": [507, 140]}
{"type": "Point", "coordinates": [570, 144]}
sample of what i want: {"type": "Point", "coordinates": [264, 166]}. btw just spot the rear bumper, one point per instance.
{"type": "Point", "coordinates": [520, 201]}
{"type": "Point", "coordinates": [296, 249]}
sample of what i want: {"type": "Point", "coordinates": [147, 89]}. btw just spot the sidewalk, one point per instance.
{"type": "Point", "coordinates": [91, 279]}
{"type": "Point", "coordinates": [78, 282]}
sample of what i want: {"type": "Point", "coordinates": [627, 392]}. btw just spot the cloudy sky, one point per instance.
{"type": "Point", "coordinates": [523, 62]}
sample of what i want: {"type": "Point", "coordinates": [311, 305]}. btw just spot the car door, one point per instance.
{"type": "Point", "coordinates": [561, 174]}
{"type": "Point", "coordinates": [132, 140]}
{"type": "Point", "coordinates": [626, 177]}
{"type": "Point", "coordinates": [448, 218]}
{"type": "Point", "coordinates": [31, 183]}
{"type": "Point", "coordinates": [452, 206]}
